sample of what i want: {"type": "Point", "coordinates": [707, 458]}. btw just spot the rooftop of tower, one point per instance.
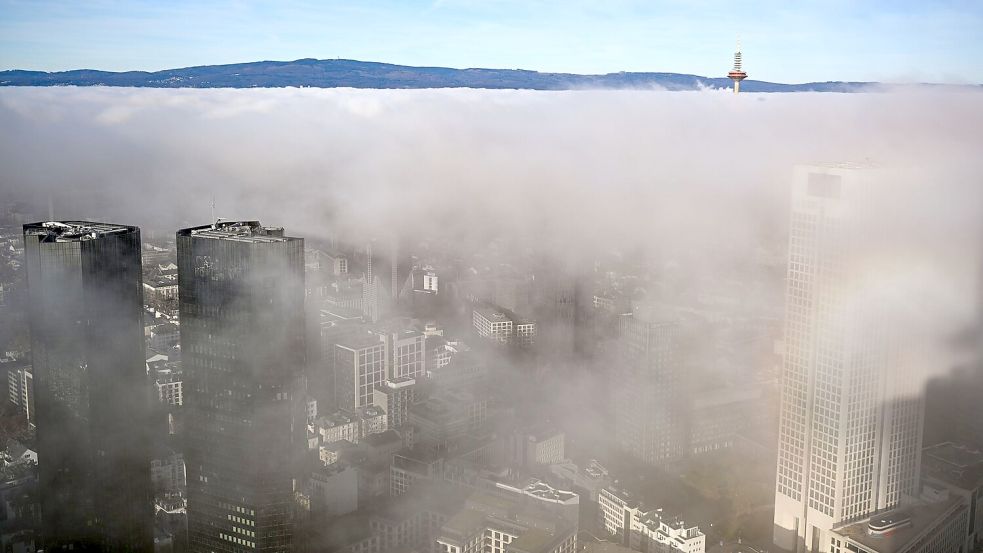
{"type": "Point", "coordinates": [238, 231]}
{"type": "Point", "coordinates": [73, 231]}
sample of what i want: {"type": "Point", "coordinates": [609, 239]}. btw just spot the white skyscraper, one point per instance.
{"type": "Point", "coordinates": [851, 410]}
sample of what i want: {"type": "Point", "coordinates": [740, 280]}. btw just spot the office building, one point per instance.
{"type": "Point", "coordinates": [531, 519]}
{"type": "Point", "coordinates": [333, 490]}
{"type": "Point", "coordinates": [351, 426]}
{"type": "Point", "coordinates": [648, 395]}
{"type": "Point", "coordinates": [851, 410]}
{"type": "Point", "coordinates": [719, 416]}
{"type": "Point", "coordinates": [919, 527]}
{"type": "Point", "coordinates": [408, 523]}
{"type": "Point", "coordinates": [359, 366]}
{"type": "Point", "coordinates": [503, 326]}
{"type": "Point", "coordinates": [430, 280]}
{"type": "Point", "coordinates": [168, 383]}
{"type": "Point", "coordinates": [650, 531]}
{"type": "Point", "coordinates": [90, 387]}
{"type": "Point", "coordinates": [20, 385]}
{"type": "Point", "coordinates": [405, 350]}
{"type": "Point", "coordinates": [395, 396]}
{"type": "Point", "coordinates": [242, 336]}
{"type": "Point", "coordinates": [447, 417]}
{"type": "Point", "coordinates": [540, 444]}
{"type": "Point", "coordinates": [957, 470]}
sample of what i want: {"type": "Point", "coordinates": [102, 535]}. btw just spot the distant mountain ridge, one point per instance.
{"type": "Point", "coordinates": [362, 74]}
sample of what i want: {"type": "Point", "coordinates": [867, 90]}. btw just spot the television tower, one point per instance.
{"type": "Point", "coordinates": [737, 74]}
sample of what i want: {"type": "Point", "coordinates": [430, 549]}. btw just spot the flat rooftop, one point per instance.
{"type": "Point", "coordinates": [496, 313]}
{"type": "Point", "coordinates": [908, 524]}
{"type": "Point", "coordinates": [492, 313]}
{"type": "Point", "coordinates": [74, 231]}
{"type": "Point", "coordinates": [533, 540]}
{"type": "Point", "coordinates": [958, 455]}
{"type": "Point", "coordinates": [357, 341]}
{"type": "Point", "coordinates": [954, 464]}
{"type": "Point", "coordinates": [239, 231]}
{"type": "Point", "coordinates": [465, 523]}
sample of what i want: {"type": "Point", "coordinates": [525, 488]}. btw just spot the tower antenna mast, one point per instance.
{"type": "Point", "coordinates": [737, 74]}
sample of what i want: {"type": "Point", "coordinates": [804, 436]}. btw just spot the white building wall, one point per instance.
{"type": "Point", "coordinates": [847, 445]}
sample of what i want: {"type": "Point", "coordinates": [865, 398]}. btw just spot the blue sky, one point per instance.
{"type": "Point", "coordinates": [785, 41]}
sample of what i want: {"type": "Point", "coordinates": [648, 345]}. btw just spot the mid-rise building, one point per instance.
{"type": "Point", "coordinates": [440, 352]}
{"type": "Point", "coordinates": [395, 396]}
{"type": "Point", "coordinates": [539, 445]}
{"type": "Point", "coordinates": [359, 366]}
{"type": "Point", "coordinates": [719, 416]}
{"type": "Point", "coordinates": [333, 490]}
{"type": "Point", "coordinates": [242, 337]}
{"type": "Point", "coordinates": [430, 281]}
{"type": "Point", "coordinates": [20, 385]}
{"type": "Point", "coordinates": [160, 292]}
{"type": "Point", "coordinates": [958, 470]}
{"type": "Point", "coordinates": [405, 351]}
{"type": "Point", "coordinates": [503, 326]}
{"type": "Point", "coordinates": [407, 523]}
{"type": "Point", "coordinates": [493, 324]}
{"type": "Point", "coordinates": [19, 513]}
{"type": "Point", "coordinates": [851, 410]}
{"type": "Point", "coordinates": [650, 531]}
{"type": "Point", "coordinates": [169, 383]}
{"type": "Point", "coordinates": [351, 426]}
{"type": "Point", "coordinates": [310, 409]}
{"type": "Point", "coordinates": [919, 527]}
{"type": "Point", "coordinates": [447, 417]}
{"type": "Point", "coordinates": [85, 311]}
{"type": "Point", "coordinates": [504, 520]}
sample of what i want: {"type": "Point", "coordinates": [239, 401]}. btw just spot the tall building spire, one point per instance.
{"type": "Point", "coordinates": [737, 74]}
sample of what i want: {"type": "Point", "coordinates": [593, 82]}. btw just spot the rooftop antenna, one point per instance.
{"type": "Point", "coordinates": [213, 209]}
{"type": "Point", "coordinates": [737, 74]}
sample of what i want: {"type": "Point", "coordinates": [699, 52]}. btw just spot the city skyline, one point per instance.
{"type": "Point", "coordinates": [343, 307]}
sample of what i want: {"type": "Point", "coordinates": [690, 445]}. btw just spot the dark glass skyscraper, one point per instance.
{"type": "Point", "coordinates": [649, 396]}
{"type": "Point", "coordinates": [93, 398]}
{"type": "Point", "coordinates": [241, 291]}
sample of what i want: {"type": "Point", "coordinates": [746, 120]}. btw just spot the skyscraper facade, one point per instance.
{"type": "Point", "coordinates": [851, 407]}
{"type": "Point", "coordinates": [648, 395]}
{"type": "Point", "coordinates": [242, 338]}
{"type": "Point", "coordinates": [91, 389]}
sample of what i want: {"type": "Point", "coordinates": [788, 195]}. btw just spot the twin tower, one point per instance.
{"type": "Point", "coordinates": [241, 288]}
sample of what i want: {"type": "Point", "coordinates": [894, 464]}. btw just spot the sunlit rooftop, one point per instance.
{"type": "Point", "coordinates": [239, 231]}
{"type": "Point", "coordinates": [73, 231]}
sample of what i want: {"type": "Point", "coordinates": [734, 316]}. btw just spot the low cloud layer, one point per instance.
{"type": "Point", "coordinates": [700, 176]}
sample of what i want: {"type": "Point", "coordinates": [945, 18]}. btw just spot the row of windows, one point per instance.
{"type": "Point", "coordinates": [237, 540]}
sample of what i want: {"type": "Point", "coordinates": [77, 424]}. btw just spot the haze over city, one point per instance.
{"type": "Point", "coordinates": [726, 302]}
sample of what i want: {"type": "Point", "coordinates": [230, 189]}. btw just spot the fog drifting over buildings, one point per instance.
{"type": "Point", "coordinates": [691, 191]}
{"type": "Point", "coordinates": [701, 177]}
